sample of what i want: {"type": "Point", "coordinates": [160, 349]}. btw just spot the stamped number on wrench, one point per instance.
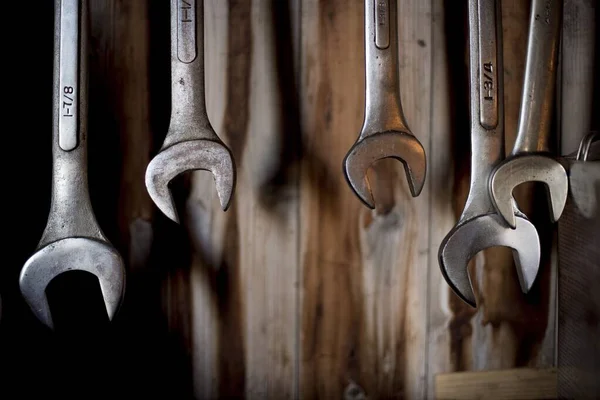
{"type": "Point", "coordinates": [186, 31]}
{"type": "Point", "coordinates": [488, 76]}
{"type": "Point", "coordinates": [382, 24]}
{"type": "Point", "coordinates": [69, 72]}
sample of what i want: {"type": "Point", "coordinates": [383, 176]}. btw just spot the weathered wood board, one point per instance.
{"type": "Point", "coordinates": [364, 274]}
{"type": "Point", "coordinates": [517, 384]}
{"type": "Point", "coordinates": [244, 274]}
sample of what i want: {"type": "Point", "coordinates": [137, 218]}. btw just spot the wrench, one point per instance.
{"type": "Point", "coordinates": [480, 226]}
{"type": "Point", "coordinates": [72, 239]}
{"type": "Point", "coordinates": [385, 133]}
{"type": "Point", "coordinates": [530, 159]}
{"type": "Point", "coordinates": [191, 142]}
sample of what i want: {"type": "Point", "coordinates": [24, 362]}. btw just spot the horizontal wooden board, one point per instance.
{"type": "Point", "coordinates": [516, 384]}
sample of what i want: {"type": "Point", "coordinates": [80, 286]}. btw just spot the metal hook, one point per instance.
{"type": "Point", "coordinates": [585, 144]}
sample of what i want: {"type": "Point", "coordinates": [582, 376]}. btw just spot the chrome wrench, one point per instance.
{"type": "Point", "coordinates": [531, 159]}
{"type": "Point", "coordinates": [72, 239]}
{"type": "Point", "coordinates": [191, 142]}
{"type": "Point", "coordinates": [385, 132]}
{"type": "Point", "coordinates": [480, 226]}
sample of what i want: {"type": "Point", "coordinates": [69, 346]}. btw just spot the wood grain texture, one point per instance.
{"type": "Point", "coordinates": [443, 322]}
{"type": "Point", "coordinates": [578, 346]}
{"type": "Point", "coordinates": [577, 72]}
{"type": "Point", "coordinates": [517, 384]}
{"type": "Point", "coordinates": [244, 272]}
{"type": "Point", "coordinates": [364, 273]}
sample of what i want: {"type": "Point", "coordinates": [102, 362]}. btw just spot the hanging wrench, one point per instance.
{"type": "Point", "coordinates": [191, 142]}
{"type": "Point", "coordinates": [385, 133]}
{"type": "Point", "coordinates": [531, 159]}
{"type": "Point", "coordinates": [480, 226]}
{"type": "Point", "coordinates": [72, 239]}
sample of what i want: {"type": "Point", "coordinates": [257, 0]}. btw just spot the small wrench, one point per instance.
{"type": "Point", "coordinates": [72, 239]}
{"type": "Point", "coordinates": [530, 159]}
{"type": "Point", "coordinates": [191, 142]}
{"type": "Point", "coordinates": [480, 226]}
{"type": "Point", "coordinates": [385, 133]}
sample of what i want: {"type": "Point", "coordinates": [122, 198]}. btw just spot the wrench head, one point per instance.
{"type": "Point", "coordinates": [93, 256]}
{"type": "Point", "coordinates": [401, 146]}
{"type": "Point", "coordinates": [186, 156]}
{"type": "Point", "coordinates": [471, 236]}
{"type": "Point", "coordinates": [527, 168]}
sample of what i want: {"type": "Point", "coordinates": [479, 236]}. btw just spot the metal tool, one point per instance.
{"type": "Point", "coordinates": [72, 239]}
{"type": "Point", "coordinates": [385, 133]}
{"type": "Point", "coordinates": [480, 226]}
{"type": "Point", "coordinates": [191, 142]}
{"type": "Point", "coordinates": [531, 158]}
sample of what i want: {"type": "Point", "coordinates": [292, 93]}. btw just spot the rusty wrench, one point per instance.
{"type": "Point", "coordinates": [72, 239]}
{"type": "Point", "coordinates": [531, 159]}
{"type": "Point", "coordinates": [480, 226]}
{"type": "Point", "coordinates": [385, 133]}
{"type": "Point", "coordinates": [191, 142]}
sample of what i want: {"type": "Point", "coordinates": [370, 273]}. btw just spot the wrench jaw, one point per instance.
{"type": "Point", "coordinates": [186, 156]}
{"type": "Point", "coordinates": [471, 236]}
{"type": "Point", "coordinates": [392, 144]}
{"type": "Point", "coordinates": [527, 168]}
{"type": "Point", "coordinates": [96, 257]}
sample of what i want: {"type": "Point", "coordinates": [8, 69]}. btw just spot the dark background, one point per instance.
{"type": "Point", "coordinates": [85, 357]}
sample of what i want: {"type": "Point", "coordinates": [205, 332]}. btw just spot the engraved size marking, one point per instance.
{"type": "Point", "coordinates": [382, 23]}
{"type": "Point", "coordinates": [488, 81]}
{"type": "Point", "coordinates": [488, 70]}
{"type": "Point", "coordinates": [69, 75]}
{"type": "Point", "coordinates": [68, 101]}
{"type": "Point", "coordinates": [186, 30]}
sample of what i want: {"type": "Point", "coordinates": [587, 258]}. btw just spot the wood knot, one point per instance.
{"type": "Point", "coordinates": [354, 392]}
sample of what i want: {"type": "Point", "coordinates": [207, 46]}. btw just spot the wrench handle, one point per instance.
{"type": "Point", "coordinates": [188, 105]}
{"type": "Point", "coordinates": [69, 85]}
{"type": "Point", "coordinates": [71, 212]}
{"type": "Point", "coordinates": [383, 108]}
{"type": "Point", "coordinates": [486, 95]}
{"type": "Point", "coordinates": [537, 100]}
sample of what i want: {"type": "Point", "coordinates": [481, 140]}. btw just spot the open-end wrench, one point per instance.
{"type": "Point", "coordinates": [72, 239]}
{"type": "Point", "coordinates": [191, 142]}
{"type": "Point", "coordinates": [480, 226]}
{"type": "Point", "coordinates": [531, 159]}
{"type": "Point", "coordinates": [385, 133]}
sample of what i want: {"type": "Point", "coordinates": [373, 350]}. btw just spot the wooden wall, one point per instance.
{"type": "Point", "coordinates": [298, 290]}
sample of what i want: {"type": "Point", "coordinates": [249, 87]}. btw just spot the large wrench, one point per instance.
{"type": "Point", "coordinates": [480, 226]}
{"type": "Point", "coordinates": [385, 133]}
{"type": "Point", "coordinates": [191, 142]}
{"type": "Point", "coordinates": [531, 159]}
{"type": "Point", "coordinates": [72, 239]}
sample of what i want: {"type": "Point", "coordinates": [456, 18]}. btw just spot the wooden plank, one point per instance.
{"type": "Point", "coordinates": [577, 72]}
{"type": "Point", "coordinates": [578, 347]}
{"type": "Point", "coordinates": [519, 383]}
{"type": "Point", "coordinates": [363, 273]}
{"type": "Point", "coordinates": [442, 318]}
{"type": "Point", "coordinates": [206, 218]}
{"type": "Point", "coordinates": [244, 273]}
